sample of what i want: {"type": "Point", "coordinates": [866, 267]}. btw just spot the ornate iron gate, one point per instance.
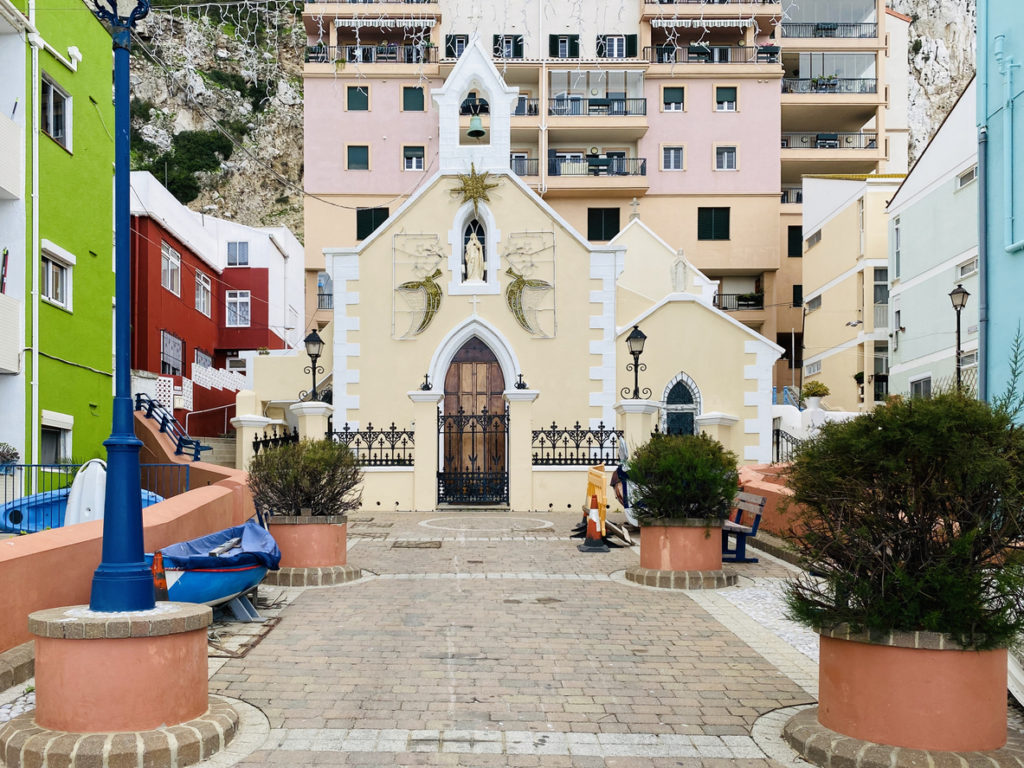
{"type": "Point", "coordinates": [473, 465]}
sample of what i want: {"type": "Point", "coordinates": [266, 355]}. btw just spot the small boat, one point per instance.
{"type": "Point", "coordinates": [40, 511]}
{"type": "Point", "coordinates": [219, 567]}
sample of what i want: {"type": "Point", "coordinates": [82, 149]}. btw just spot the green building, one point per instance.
{"type": "Point", "coordinates": [56, 230]}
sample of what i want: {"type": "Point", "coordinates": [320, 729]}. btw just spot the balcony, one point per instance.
{"type": "Point", "coordinates": [11, 334]}
{"type": "Point", "coordinates": [581, 176]}
{"type": "Point", "coordinates": [735, 302]}
{"type": "Point", "coordinates": [12, 184]}
{"type": "Point", "coordinates": [712, 54]}
{"type": "Point", "coordinates": [325, 301]}
{"type": "Point", "coordinates": [374, 2]}
{"type": "Point", "coordinates": [856, 85]}
{"type": "Point", "coordinates": [829, 29]}
{"type": "Point", "coordinates": [599, 166]}
{"type": "Point", "coordinates": [371, 54]}
{"type": "Point", "coordinates": [837, 140]}
{"type": "Point", "coordinates": [525, 166]}
{"type": "Point", "coordinates": [792, 195]}
{"type": "Point", "coordinates": [575, 106]}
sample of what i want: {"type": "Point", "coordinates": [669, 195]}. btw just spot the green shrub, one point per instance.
{"type": "Point", "coordinates": [682, 476]}
{"type": "Point", "coordinates": [8, 453]}
{"type": "Point", "coordinates": [908, 515]}
{"type": "Point", "coordinates": [319, 475]}
{"type": "Point", "coordinates": [815, 388]}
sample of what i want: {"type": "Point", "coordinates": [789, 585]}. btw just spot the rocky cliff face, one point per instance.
{"type": "Point", "coordinates": [233, 75]}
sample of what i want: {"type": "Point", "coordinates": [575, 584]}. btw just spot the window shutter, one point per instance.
{"type": "Point", "coordinates": [517, 47]}
{"type": "Point", "coordinates": [796, 242]}
{"type": "Point", "coordinates": [449, 46]}
{"type": "Point", "coordinates": [496, 46]}
{"type": "Point", "coordinates": [553, 46]}
{"type": "Point", "coordinates": [673, 95]}
{"type": "Point", "coordinates": [412, 99]}
{"type": "Point", "coordinates": [414, 151]}
{"type": "Point", "coordinates": [602, 46]}
{"type": "Point", "coordinates": [574, 46]}
{"type": "Point", "coordinates": [724, 93]}
{"type": "Point", "coordinates": [704, 223]}
{"type": "Point", "coordinates": [798, 295]}
{"type": "Point", "coordinates": [630, 46]}
{"type": "Point", "coordinates": [721, 223]}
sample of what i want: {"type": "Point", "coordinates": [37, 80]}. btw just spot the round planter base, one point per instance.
{"type": "Point", "coordinates": [313, 577]}
{"type": "Point", "coordinates": [822, 746]}
{"type": "Point", "coordinates": [650, 577]}
{"type": "Point", "coordinates": [23, 743]}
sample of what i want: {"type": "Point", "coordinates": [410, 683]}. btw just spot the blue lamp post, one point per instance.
{"type": "Point", "coordinates": [123, 581]}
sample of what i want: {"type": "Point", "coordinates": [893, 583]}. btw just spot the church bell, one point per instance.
{"type": "Point", "coordinates": [476, 128]}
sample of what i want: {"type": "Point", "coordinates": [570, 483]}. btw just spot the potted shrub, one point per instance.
{"type": "Point", "coordinates": [8, 458]}
{"type": "Point", "coordinates": [306, 488]}
{"type": "Point", "coordinates": [682, 489]}
{"type": "Point", "coordinates": [909, 516]}
{"type": "Point", "coordinates": [813, 391]}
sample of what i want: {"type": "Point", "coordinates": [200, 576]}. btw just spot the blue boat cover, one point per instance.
{"type": "Point", "coordinates": [257, 548]}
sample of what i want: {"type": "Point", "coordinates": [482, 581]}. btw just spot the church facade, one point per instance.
{"type": "Point", "coordinates": [492, 337]}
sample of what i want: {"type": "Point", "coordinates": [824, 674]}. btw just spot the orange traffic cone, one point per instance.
{"type": "Point", "coordinates": [159, 577]}
{"type": "Point", "coordinates": [594, 541]}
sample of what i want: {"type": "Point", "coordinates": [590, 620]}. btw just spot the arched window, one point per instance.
{"type": "Point", "coordinates": [474, 253]}
{"type": "Point", "coordinates": [680, 410]}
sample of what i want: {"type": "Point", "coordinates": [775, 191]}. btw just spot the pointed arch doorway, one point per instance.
{"type": "Point", "coordinates": [473, 466]}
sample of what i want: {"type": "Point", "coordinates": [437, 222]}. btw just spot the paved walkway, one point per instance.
{"type": "Point", "coordinates": [484, 640]}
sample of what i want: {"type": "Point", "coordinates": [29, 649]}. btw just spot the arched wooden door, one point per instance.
{"type": "Point", "coordinates": [474, 429]}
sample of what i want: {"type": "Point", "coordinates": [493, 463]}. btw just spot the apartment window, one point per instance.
{"type": "Point", "coordinates": [881, 286]}
{"type": "Point", "coordinates": [813, 304]}
{"type": "Point", "coordinates": [204, 299]}
{"type": "Point", "coordinates": [798, 295]}
{"type": "Point", "coordinates": [170, 269]}
{"type": "Point", "coordinates": [564, 46]}
{"type": "Point", "coordinates": [55, 120]}
{"type": "Point", "coordinates": [725, 158]}
{"type": "Point", "coordinates": [238, 254]}
{"type": "Point", "coordinates": [967, 177]}
{"type": "Point", "coordinates": [203, 359]}
{"type": "Point", "coordinates": [813, 239]}
{"type": "Point", "coordinates": [795, 242]}
{"type": "Point", "coordinates": [969, 359]}
{"type": "Point", "coordinates": [712, 223]}
{"type": "Point", "coordinates": [725, 98]}
{"type": "Point", "coordinates": [508, 46]}
{"type": "Point", "coordinates": [358, 98]}
{"type": "Point", "coordinates": [172, 354]}
{"type": "Point", "coordinates": [672, 99]}
{"type": "Point", "coordinates": [896, 246]}
{"type": "Point", "coordinates": [54, 441]}
{"type": "Point", "coordinates": [56, 282]}
{"type": "Point", "coordinates": [368, 219]}
{"type": "Point", "coordinates": [238, 364]}
{"type": "Point", "coordinates": [812, 368]}
{"type": "Point", "coordinates": [602, 223]}
{"type": "Point", "coordinates": [454, 45]}
{"type": "Point", "coordinates": [967, 268]}
{"type": "Point", "coordinates": [413, 158]}
{"type": "Point", "coordinates": [672, 158]}
{"type": "Point", "coordinates": [616, 46]}
{"type": "Point", "coordinates": [921, 388]}
{"type": "Point", "coordinates": [358, 157]}
{"type": "Point", "coordinates": [238, 305]}
{"type": "Point", "coordinates": [412, 98]}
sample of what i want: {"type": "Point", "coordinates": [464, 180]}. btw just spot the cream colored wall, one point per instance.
{"type": "Point", "coordinates": [280, 377]}
{"type": "Point", "coordinates": [387, 489]}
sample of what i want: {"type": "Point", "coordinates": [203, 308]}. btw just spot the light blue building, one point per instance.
{"type": "Point", "coordinates": [933, 247]}
{"type": "Point", "coordinates": [1001, 211]}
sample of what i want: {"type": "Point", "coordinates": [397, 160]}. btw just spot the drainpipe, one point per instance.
{"type": "Point", "coordinates": [983, 262]}
{"type": "Point", "coordinates": [35, 42]}
{"type": "Point", "coordinates": [1006, 67]}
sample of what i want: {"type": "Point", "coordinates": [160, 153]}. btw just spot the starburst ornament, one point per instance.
{"type": "Point", "coordinates": [474, 187]}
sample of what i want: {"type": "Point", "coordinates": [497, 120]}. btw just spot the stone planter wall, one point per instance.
{"type": "Point", "coordinates": [682, 545]}
{"type": "Point", "coordinates": [310, 541]}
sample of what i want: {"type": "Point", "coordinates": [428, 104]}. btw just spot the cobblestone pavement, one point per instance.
{"type": "Point", "coordinates": [487, 639]}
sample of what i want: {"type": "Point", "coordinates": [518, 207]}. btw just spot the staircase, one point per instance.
{"type": "Point", "coordinates": [222, 451]}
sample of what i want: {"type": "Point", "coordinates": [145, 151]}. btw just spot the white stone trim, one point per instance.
{"type": "Point", "coordinates": [716, 419]}
{"type": "Point", "coordinates": [606, 265]}
{"type": "Point", "coordinates": [698, 400]}
{"type": "Point", "coordinates": [521, 395]}
{"type": "Point", "coordinates": [465, 214]}
{"type": "Point", "coordinates": [57, 420]}
{"type": "Point", "coordinates": [459, 335]}
{"type": "Point", "coordinates": [343, 267]}
{"type": "Point", "coordinates": [760, 398]}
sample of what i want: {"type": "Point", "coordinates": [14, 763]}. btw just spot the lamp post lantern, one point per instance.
{"type": "Point", "coordinates": [314, 348]}
{"type": "Point", "coordinates": [122, 581]}
{"type": "Point", "coordinates": [959, 298]}
{"type": "Point", "coordinates": [635, 345]}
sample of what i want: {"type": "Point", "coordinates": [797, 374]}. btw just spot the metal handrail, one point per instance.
{"type": "Point", "coordinates": [370, 54]}
{"type": "Point", "coordinates": [573, 106]}
{"type": "Point", "coordinates": [711, 54]}
{"type": "Point", "coordinates": [154, 409]}
{"type": "Point", "coordinates": [829, 29]}
{"type": "Point", "coordinates": [830, 140]}
{"type": "Point", "coordinates": [190, 414]}
{"type": "Point", "coordinates": [829, 85]}
{"type": "Point", "coordinates": [733, 302]}
{"type": "Point", "coordinates": [598, 166]}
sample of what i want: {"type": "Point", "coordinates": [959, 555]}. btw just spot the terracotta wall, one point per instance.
{"type": "Point", "coordinates": [765, 480]}
{"type": "Point", "coordinates": [54, 568]}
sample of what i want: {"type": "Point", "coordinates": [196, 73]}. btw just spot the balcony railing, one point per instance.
{"type": "Point", "coordinates": [829, 85]}
{"type": "Point", "coordinates": [325, 301]}
{"type": "Point", "coordinates": [526, 107]}
{"type": "Point", "coordinates": [369, 54]}
{"type": "Point", "coordinates": [576, 106]}
{"type": "Point", "coordinates": [732, 302]}
{"type": "Point", "coordinates": [793, 195]}
{"type": "Point", "coordinates": [829, 29]}
{"type": "Point", "coordinates": [837, 140]}
{"type": "Point", "coordinates": [525, 166]}
{"type": "Point", "coordinates": [881, 315]}
{"type": "Point", "coordinates": [716, 2]}
{"type": "Point", "coordinates": [713, 54]}
{"type": "Point", "coordinates": [598, 166]}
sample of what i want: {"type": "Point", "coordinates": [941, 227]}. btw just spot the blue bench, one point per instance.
{"type": "Point", "coordinates": [744, 503]}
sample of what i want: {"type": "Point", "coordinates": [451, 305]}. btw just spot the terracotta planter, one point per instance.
{"type": "Point", "coordinates": [912, 689]}
{"type": "Point", "coordinates": [692, 544]}
{"type": "Point", "coordinates": [308, 541]}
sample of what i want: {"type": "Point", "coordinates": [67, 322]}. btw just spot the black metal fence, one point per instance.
{"type": "Point", "coordinates": [389, 447]}
{"type": "Point", "coordinates": [784, 446]}
{"type": "Point", "coordinates": [829, 29]}
{"type": "Point", "coordinates": [277, 437]}
{"type": "Point", "coordinates": [474, 460]}
{"type": "Point", "coordinates": [34, 497]}
{"type": "Point", "coordinates": [575, 446]}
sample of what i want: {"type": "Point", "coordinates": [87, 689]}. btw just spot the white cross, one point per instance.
{"type": "Point", "coordinates": [474, 301]}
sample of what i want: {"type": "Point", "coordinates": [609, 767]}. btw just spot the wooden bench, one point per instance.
{"type": "Point", "coordinates": [744, 502]}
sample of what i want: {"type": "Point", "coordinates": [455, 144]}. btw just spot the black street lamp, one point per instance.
{"type": "Point", "coordinates": [314, 348]}
{"type": "Point", "coordinates": [959, 298]}
{"type": "Point", "coordinates": [635, 345]}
